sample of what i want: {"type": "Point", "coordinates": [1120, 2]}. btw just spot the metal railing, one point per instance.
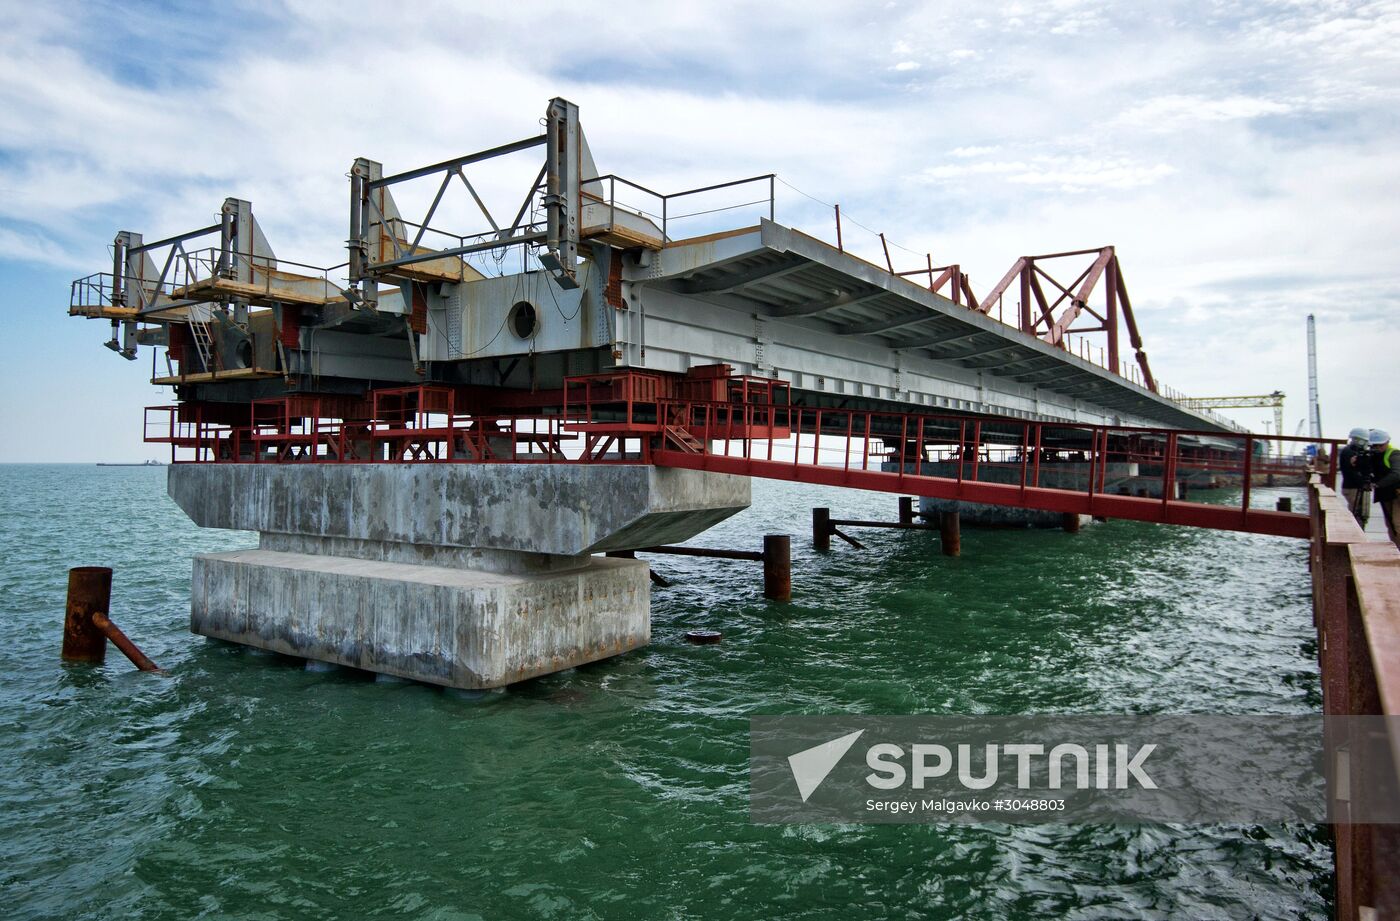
{"type": "Point", "coordinates": [660, 204]}
{"type": "Point", "coordinates": [1101, 470]}
{"type": "Point", "coordinates": [1109, 471]}
{"type": "Point", "coordinates": [1356, 608]}
{"type": "Point", "coordinates": [194, 269]}
{"type": "Point", "coordinates": [91, 295]}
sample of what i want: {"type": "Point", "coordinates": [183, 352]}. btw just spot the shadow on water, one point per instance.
{"type": "Point", "coordinates": [247, 785]}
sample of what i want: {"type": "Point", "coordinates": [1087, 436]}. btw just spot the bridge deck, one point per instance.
{"type": "Point", "coordinates": [774, 301]}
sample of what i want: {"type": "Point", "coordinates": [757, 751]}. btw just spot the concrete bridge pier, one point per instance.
{"type": "Point", "coordinates": [463, 575]}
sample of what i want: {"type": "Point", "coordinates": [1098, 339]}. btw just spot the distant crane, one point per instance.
{"type": "Point", "coordinates": [1272, 401]}
{"type": "Point", "coordinates": [1314, 412]}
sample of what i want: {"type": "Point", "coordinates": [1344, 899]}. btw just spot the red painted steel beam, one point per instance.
{"type": "Point", "coordinates": [967, 293]}
{"type": "Point", "coordinates": [1134, 337]}
{"type": "Point", "coordinates": [1133, 508]}
{"type": "Point", "coordinates": [1046, 310]}
{"type": "Point", "coordinates": [1070, 313]}
{"type": "Point", "coordinates": [1000, 287]}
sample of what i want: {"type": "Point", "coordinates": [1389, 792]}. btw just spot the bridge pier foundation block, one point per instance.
{"type": "Point", "coordinates": [463, 575]}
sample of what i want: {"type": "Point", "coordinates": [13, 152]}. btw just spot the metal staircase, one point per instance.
{"type": "Point", "coordinates": [199, 318]}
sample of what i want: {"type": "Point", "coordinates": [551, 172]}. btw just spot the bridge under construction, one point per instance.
{"type": "Point", "coordinates": [455, 422]}
{"type": "Point", "coordinates": [453, 443]}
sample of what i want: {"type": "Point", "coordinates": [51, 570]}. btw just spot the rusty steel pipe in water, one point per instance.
{"type": "Point", "coordinates": [120, 640]}
{"type": "Point", "coordinates": [777, 567]}
{"type": "Point", "coordinates": [89, 591]}
{"type": "Point", "coordinates": [86, 626]}
{"type": "Point", "coordinates": [950, 533]}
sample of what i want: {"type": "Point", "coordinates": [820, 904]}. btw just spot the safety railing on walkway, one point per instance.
{"type": "Point", "coordinates": [1097, 470]}
{"type": "Point", "coordinates": [661, 207]}
{"type": "Point", "coordinates": [1356, 608]}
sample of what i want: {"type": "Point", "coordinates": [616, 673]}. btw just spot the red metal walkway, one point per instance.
{"type": "Point", "coordinates": [1001, 462]}
{"type": "Point", "coordinates": [745, 426]}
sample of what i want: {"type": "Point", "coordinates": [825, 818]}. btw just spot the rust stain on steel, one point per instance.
{"type": "Point", "coordinates": [89, 591]}
{"type": "Point", "coordinates": [120, 640]}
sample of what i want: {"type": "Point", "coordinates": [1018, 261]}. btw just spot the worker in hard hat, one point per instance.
{"type": "Point", "coordinates": [1385, 466]}
{"type": "Point", "coordinates": [1355, 462]}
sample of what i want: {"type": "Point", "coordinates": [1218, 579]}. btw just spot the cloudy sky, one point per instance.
{"type": "Point", "coordinates": [1244, 158]}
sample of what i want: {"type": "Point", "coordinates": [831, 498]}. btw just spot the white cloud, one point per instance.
{"type": "Point", "coordinates": [1170, 112]}
{"type": "Point", "coordinates": [35, 246]}
{"type": "Point", "coordinates": [1068, 174]}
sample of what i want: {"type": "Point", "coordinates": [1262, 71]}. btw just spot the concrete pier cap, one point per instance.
{"type": "Point", "coordinates": [464, 575]}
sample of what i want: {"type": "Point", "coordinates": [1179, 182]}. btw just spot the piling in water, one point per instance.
{"type": "Point", "coordinates": [950, 531]}
{"type": "Point", "coordinates": [821, 528]}
{"type": "Point", "coordinates": [89, 593]}
{"type": "Point", "coordinates": [86, 626]}
{"type": "Point", "coordinates": [777, 567]}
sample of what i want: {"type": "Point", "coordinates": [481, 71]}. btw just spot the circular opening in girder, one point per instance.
{"type": "Point", "coordinates": [523, 320]}
{"type": "Point", "coordinates": [243, 353]}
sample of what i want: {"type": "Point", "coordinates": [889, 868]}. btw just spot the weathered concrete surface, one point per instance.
{"type": "Point", "coordinates": [506, 561]}
{"type": "Point", "coordinates": [562, 509]}
{"type": "Point", "coordinates": [465, 575]}
{"type": "Point", "coordinates": [455, 627]}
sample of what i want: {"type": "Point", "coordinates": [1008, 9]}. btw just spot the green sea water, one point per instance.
{"type": "Point", "coordinates": [245, 785]}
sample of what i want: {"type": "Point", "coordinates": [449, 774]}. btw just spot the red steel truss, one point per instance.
{"type": "Point", "coordinates": [1074, 300]}
{"type": "Point", "coordinates": [712, 420]}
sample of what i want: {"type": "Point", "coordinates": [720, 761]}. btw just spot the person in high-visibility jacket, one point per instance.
{"type": "Point", "coordinates": [1385, 467]}
{"type": "Point", "coordinates": [1355, 462]}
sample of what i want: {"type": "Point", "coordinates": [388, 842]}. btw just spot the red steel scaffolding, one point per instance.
{"type": "Point", "coordinates": [712, 420]}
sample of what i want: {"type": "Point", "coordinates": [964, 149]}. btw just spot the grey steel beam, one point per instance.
{"type": "Point", "coordinates": [994, 365]}
{"type": "Point", "coordinates": [380, 267]}
{"type": "Point", "coordinates": [458, 162]}
{"type": "Point", "coordinates": [178, 238]}
{"type": "Point", "coordinates": [973, 361]}
{"type": "Point", "coordinates": [1027, 377]}
{"type": "Point", "coordinates": [876, 327]}
{"type": "Point", "coordinates": [931, 341]}
{"type": "Point", "coordinates": [816, 308]}
{"type": "Point", "coordinates": [725, 284]}
{"type": "Point", "coordinates": [976, 353]}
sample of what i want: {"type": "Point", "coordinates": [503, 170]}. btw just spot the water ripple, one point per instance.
{"type": "Point", "coordinates": [244, 785]}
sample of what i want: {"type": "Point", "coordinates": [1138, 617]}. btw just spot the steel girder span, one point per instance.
{"type": "Point", "coordinates": [500, 293]}
{"type": "Point", "coordinates": [573, 271]}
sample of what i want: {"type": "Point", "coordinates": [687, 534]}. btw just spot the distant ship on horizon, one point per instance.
{"type": "Point", "coordinates": [149, 463]}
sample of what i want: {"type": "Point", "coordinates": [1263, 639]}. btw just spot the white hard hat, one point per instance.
{"type": "Point", "coordinates": [1379, 437]}
{"type": "Point", "coordinates": [1359, 434]}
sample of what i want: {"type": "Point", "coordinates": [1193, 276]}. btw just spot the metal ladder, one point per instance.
{"type": "Point", "coordinates": [199, 316]}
